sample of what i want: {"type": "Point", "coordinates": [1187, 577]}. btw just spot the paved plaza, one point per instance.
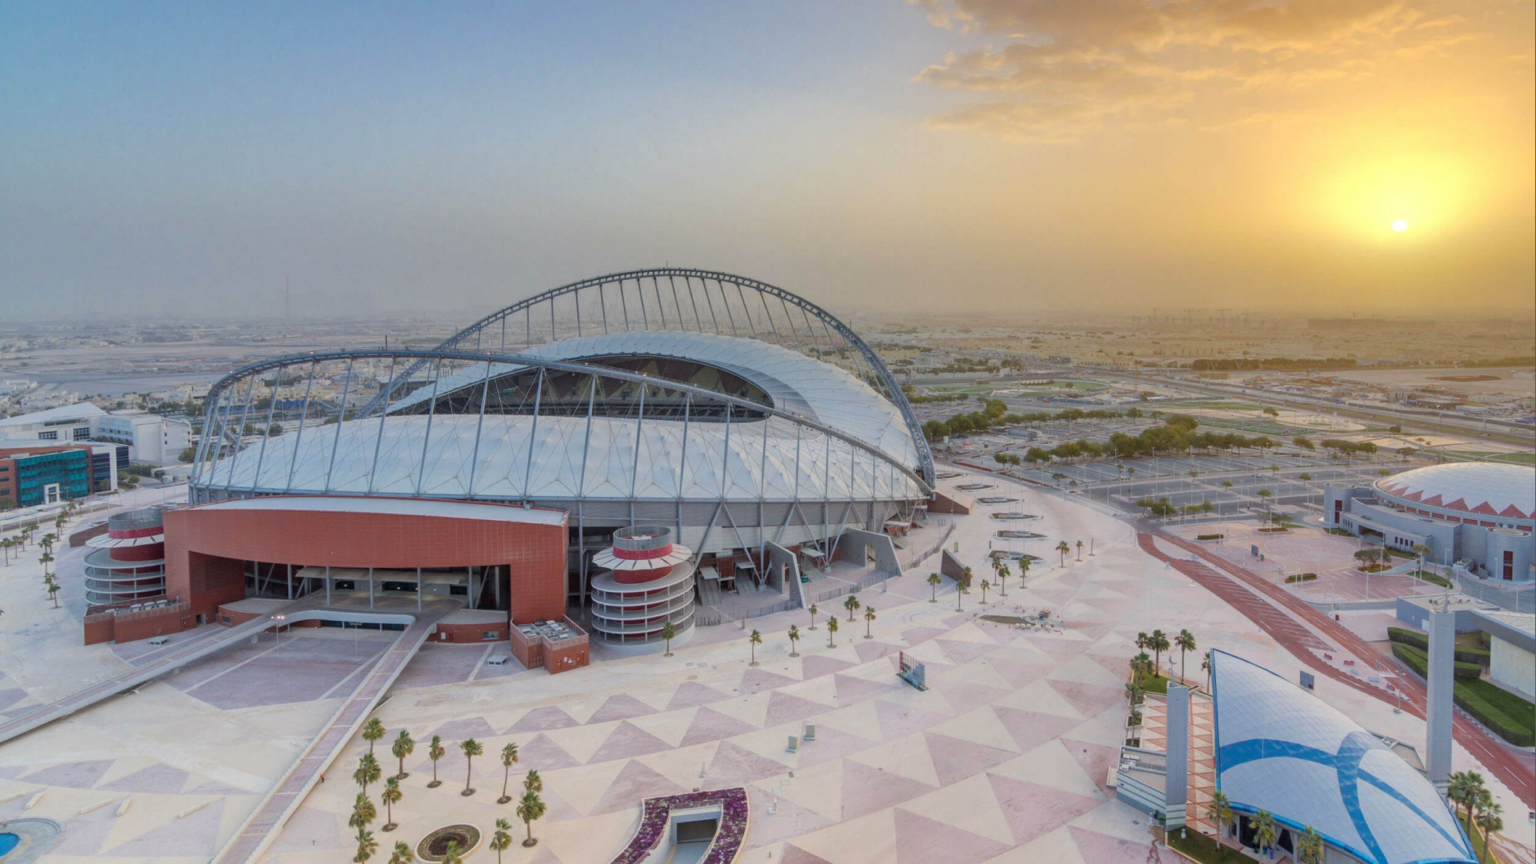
{"type": "Point", "coordinates": [1005, 758]}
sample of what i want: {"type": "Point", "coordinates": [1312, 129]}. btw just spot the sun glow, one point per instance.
{"type": "Point", "coordinates": [1399, 225]}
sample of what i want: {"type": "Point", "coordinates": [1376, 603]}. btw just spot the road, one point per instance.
{"type": "Point", "coordinates": [1514, 768]}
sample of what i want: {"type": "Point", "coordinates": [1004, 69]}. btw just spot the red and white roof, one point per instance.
{"type": "Point", "coordinates": [1485, 488]}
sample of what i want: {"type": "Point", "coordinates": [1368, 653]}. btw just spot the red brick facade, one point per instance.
{"type": "Point", "coordinates": [205, 548]}
{"type": "Point", "coordinates": [131, 626]}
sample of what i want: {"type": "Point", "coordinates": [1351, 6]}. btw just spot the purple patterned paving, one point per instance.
{"type": "Point", "coordinates": [784, 708]}
{"type": "Point", "coordinates": [710, 725]}
{"type": "Point", "coordinates": [692, 693]}
{"type": "Point", "coordinates": [158, 779]}
{"type": "Point", "coordinates": [542, 719]}
{"type": "Point", "coordinates": [920, 840]}
{"type": "Point", "coordinates": [1032, 809]}
{"type": "Point", "coordinates": [735, 766]}
{"type": "Point", "coordinates": [543, 754]}
{"type": "Point", "coordinates": [76, 775]}
{"type": "Point", "coordinates": [867, 790]}
{"type": "Point", "coordinates": [635, 783]}
{"type": "Point", "coordinates": [899, 721]}
{"type": "Point", "coordinates": [954, 759]}
{"type": "Point", "coordinates": [626, 742]}
{"type": "Point", "coordinates": [620, 707]}
{"type": "Point", "coordinates": [1104, 849]}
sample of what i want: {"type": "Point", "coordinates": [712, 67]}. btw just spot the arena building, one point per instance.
{"type": "Point", "coordinates": [747, 422]}
{"type": "Point", "coordinates": [1280, 750]}
{"type": "Point", "coordinates": [1480, 515]}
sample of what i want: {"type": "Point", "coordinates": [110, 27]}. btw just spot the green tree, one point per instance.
{"type": "Point", "coordinates": [1265, 831]}
{"type": "Point", "coordinates": [453, 855]}
{"type": "Point", "coordinates": [532, 782]}
{"type": "Point", "coordinates": [668, 633]}
{"type": "Point", "coordinates": [1185, 641]}
{"type": "Point", "coordinates": [832, 632]}
{"type": "Point", "coordinates": [933, 583]}
{"type": "Point", "coordinates": [51, 585]}
{"type": "Point", "coordinates": [1490, 819]}
{"type": "Point", "coordinates": [869, 618]}
{"type": "Point", "coordinates": [373, 731]}
{"type": "Point", "coordinates": [1023, 568]}
{"type": "Point", "coordinates": [852, 605]}
{"type": "Point", "coordinates": [368, 771]}
{"type": "Point", "coordinates": [402, 748]}
{"type": "Point", "coordinates": [813, 610]}
{"type": "Point", "coordinates": [1205, 666]}
{"type": "Point", "coordinates": [367, 847]}
{"type": "Point", "coordinates": [984, 586]}
{"type": "Point", "coordinates": [530, 809]}
{"type": "Point", "coordinates": [754, 639]}
{"type": "Point", "coordinates": [508, 759]}
{"type": "Point", "coordinates": [1141, 667]}
{"type": "Point", "coordinates": [471, 748]}
{"type": "Point", "coordinates": [363, 812]}
{"type": "Point", "coordinates": [1079, 550]}
{"type": "Point", "coordinates": [1158, 642]}
{"type": "Point", "coordinates": [794, 636]}
{"type": "Point", "coordinates": [1219, 810]}
{"type": "Point", "coordinates": [435, 751]}
{"type": "Point", "coordinates": [1309, 847]}
{"type": "Point", "coordinates": [1002, 577]}
{"type": "Point", "coordinates": [502, 839]}
{"type": "Point", "coordinates": [402, 853]}
{"type": "Point", "coordinates": [1065, 550]}
{"type": "Point", "coordinates": [390, 796]}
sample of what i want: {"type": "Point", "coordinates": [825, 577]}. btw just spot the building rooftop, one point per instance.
{"type": "Point", "coordinates": [1488, 488]}
{"type": "Point", "coordinates": [77, 411]}
{"type": "Point", "coordinates": [1281, 749]}
{"type": "Point", "coordinates": [400, 506]}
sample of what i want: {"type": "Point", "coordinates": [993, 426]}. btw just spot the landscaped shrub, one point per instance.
{"type": "Point", "coordinates": [1209, 536]}
{"type": "Point", "coordinates": [1301, 577]}
{"type": "Point", "coordinates": [1418, 661]}
{"type": "Point", "coordinates": [1479, 656]}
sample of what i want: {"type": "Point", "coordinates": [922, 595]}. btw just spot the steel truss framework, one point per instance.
{"type": "Point", "coordinates": [689, 300]}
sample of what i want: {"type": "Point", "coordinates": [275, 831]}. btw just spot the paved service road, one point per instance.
{"type": "Point", "coordinates": [1262, 602]}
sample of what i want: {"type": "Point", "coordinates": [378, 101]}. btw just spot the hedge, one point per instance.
{"type": "Point", "coordinates": [1419, 662]}
{"type": "Point", "coordinates": [1301, 577]}
{"type": "Point", "coordinates": [1209, 536]}
{"type": "Point", "coordinates": [1509, 716]}
{"type": "Point", "coordinates": [1480, 656]}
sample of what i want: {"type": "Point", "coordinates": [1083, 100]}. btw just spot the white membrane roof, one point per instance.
{"type": "Point", "coordinates": [1487, 488]}
{"type": "Point", "coordinates": [1281, 749]}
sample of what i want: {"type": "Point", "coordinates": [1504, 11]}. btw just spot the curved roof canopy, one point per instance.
{"type": "Point", "coordinates": [1281, 749]}
{"type": "Point", "coordinates": [1485, 488]}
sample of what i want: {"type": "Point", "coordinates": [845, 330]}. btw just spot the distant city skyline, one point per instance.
{"type": "Point", "coordinates": [1310, 157]}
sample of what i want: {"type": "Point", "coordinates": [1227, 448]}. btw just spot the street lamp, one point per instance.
{"type": "Point", "coordinates": [278, 633]}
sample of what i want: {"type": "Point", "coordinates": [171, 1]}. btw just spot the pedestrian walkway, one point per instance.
{"type": "Point", "coordinates": [262, 826]}
{"type": "Point", "coordinates": [174, 658]}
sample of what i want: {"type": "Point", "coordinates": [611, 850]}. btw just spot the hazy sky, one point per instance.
{"type": "Point", "coordinates": [1063, 154]}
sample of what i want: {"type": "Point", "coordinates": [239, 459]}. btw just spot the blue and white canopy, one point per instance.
{"type": "Point", "coordinates": [1280, 749]}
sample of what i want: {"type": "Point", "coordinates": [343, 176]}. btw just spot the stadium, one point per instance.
{"type": "Point", "coordinates": [747, 422]}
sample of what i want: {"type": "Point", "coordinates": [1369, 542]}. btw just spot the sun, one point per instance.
{"type": "Point", "coordinates": [1399, 225]}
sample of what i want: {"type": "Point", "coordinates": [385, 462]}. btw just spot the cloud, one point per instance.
{"type": "Point", "coordinates": [1069, 67]}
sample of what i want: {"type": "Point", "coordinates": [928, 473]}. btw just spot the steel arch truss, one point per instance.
{"type": "Point", "coordinates": [690, 300]}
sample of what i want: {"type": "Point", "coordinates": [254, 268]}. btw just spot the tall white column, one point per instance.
{"type": "Point", "coordinates": [1439, 711]}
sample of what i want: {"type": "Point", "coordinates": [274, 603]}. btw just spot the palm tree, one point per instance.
{"type": "Point", "coordinates": [402, 853]}
{"type": "Point", "coordinates": [402, 748]}
{"type": "Point", "coordinates": [794, 636]}
{"type": "Point", "coordinates": [390, 796]}
{"type": "Point", "coordinates": [1462, 791]}
{"type": "Point", "coordinates": [45, 559]}
{"type": "Point", "coordinates": [1490, 818]}
{"type": "Point", "coordinates": [530, 809]}
{"type": "Point", "coordinates": [366, 846]}
{"type": "Point", "coordinates": [984, 586]}
{"type": "Point", "coordinates": [1265, 832]}
{"type": "Point", "coordinates": [1158, 642]}
{"type": "Point", "coordinates": [502, 839]}
{"type": "Point", "coordinates": [1309, 847]}
{"type": "Point", "coordinates": [869, 618]}
{"type": "Point", "coordinates": [532, 782]}
{"type": "Point", "coordinates": [373, 731]}
{"type": "Point", "coordinates": [1205, 666]}
{"type": "Point", "coordinates": [1219, 811]}
{"type": "Point", "coordinates": [1420, 550]}
{"type": "Point", "coordinates": [668, 632]}
{"type": "Point", "coordinates": [363, 812]}
{"type": "Point", "coordinates": [832, 632]}
{"type": "Point", "coordinates": [51, 585]}
{"type": "Point", "coordinates": [1133, 692]}
{"type": "Point", "coordinates": [933, 583]}
{"type": "Point", "coordinates": [471, 749]}
{"type": "Point", "coordinates": [813, 610]}
{"type": "Point", "coordinates": [508, 759]}
{"type": "Point", "coordinates": [368, 771]}
{"type": "Point", "coordinates": [1141, 667]}
{"type": "Point", "coordinates": [753, 640]}
{"type": "Point", "coordinates": [1185, 641]}
{"type": "Point", "coordinates": [1079, 550]}
{"type": "Point", "coordinates": [435, 751]}
{"type": "Point", "coordinates": [1064, 549]}
{"type": "Point", "coordinates": [451, 855]}
{"type": "Point", "coordinates": [1023, 568]}
{"type": "Point", "coordinates": [852, 605]}
{"type": "Point", "coordinates": [965, 579]}
{"type": "Point", "coordinates": [1002, 578]}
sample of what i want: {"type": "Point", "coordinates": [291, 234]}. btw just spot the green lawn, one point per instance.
{"type": "Point", "coordinates": [1205, 849]}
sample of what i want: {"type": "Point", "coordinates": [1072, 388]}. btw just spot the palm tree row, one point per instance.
{"type": "Point", "coordinates": [1157, 642]}
{"type": "Point", "coordinates": [530, 807]}
{"type": "Point", "coordinates": [1475, 805]}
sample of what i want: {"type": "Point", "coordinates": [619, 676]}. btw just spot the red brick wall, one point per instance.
{"type": "Point", "coordinates": [77, 539]}
{"type": "Point", "coordinates": [942, 503]}
{"type": "Point", "coordinates": [98, 629]}
{"type": "Point", "coordinates": [112, 628]}
{"type": "Point", "coordinates": [566, 659]}
{"type": "Point", "coordinates": [205, 545]}
{"type": "Point", "coordinates": [461, 633]}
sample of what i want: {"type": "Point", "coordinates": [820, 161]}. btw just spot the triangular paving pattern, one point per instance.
{"type": "Point", "coordinates": [897, 721]}
{"type": "Point", "coordinates": [620, 707]}
{"type": "Point", "coordinates": [710, 725]}
{"type": "Point", "coordinates": [762, 680]}
{"type": "Point", "coordinates": [691, 693]}
{"type": "Point", "coordinates": [1088, 699]}
{"type": "Point", "coordinates": [793, 854]}
{"type": "Point", "coordinates": [458, 730]}
{"type": "Point", "coordinates": [635, 783]}
{"type": "Point", "coordinates": [736, 766]}
{"type": "Point", "coordinates": [1096, 760]}
{"type": "Point", "coordinates": [541, 753]}
{"type": "Point", "coordinates": [784, 708]}
{"type": "Point", "coordinates": [194, 836]}
{"type": "Point", "coordinates": [1033, 810]}
{"type": "Point", "coordinates": [868, 651]}
{"type": "Point", "coordinates": [920, 840]}
{"type": "Point", "coordinates": [821, 664]}
{"type": "Point", "coordinates": [954, 759]}
{"type": "Point", "coordinates": [851, 689]}
{"type": "Point", "coordinates": [158, 778]}
{"type": "Point", "coordinates": [1030, 729]}
{"type": "Point", "coordinates": [542, 719]}
{"type": "Point", "coordinates": [626, 742]}
{"type": "Point", "coordinates": [866, 789]}
{"type": "Point", "coordinates": [1104, 849]}
{"type": "Point", "coordinates": [76, 775]}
